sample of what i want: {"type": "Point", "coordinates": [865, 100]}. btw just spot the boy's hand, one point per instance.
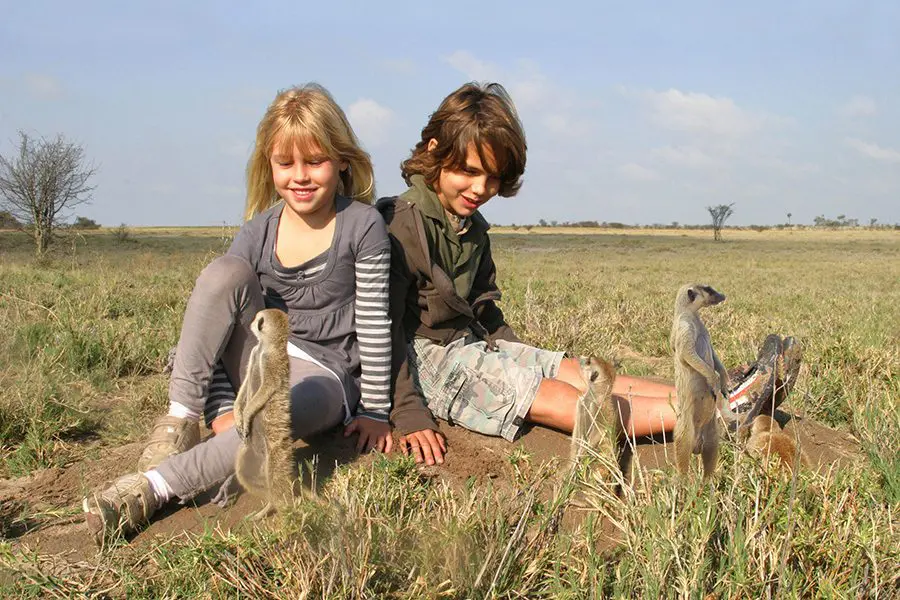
{"type": "Point", "coordinates": [426, 445]}
{"type": "Point", "coordinates": [372, 434]}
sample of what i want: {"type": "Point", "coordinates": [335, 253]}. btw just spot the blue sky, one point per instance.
{"type": "Point", "coordinates": [634, 112]}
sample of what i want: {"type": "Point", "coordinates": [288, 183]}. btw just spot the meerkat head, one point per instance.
{"type": "Point", "coordinates": [270, 323]}
{"type": "Point", "coordinates": [696, 296]}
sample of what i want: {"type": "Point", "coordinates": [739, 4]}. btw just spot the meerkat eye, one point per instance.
{"type": "Point", "coordinates": [691, 295]}
{"type": "Point", "coordinates": [709, 290]}
{"type": "Point", "coordinates": [260, 323]}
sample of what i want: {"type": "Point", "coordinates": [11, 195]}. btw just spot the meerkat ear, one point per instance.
{"type": "Point", "coordinates": [691, 295]}
{"type": "Point", "coordinates": [259, 322]}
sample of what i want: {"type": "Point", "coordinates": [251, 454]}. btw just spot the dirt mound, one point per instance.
{"type": "Point", "coordinates": [51, 499]}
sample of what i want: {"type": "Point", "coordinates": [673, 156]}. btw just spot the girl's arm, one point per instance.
{"type": "Point", "coordinates": [373, 332]}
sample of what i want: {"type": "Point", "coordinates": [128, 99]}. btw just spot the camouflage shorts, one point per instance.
{"type": "Point", "coordinates": [489, 392]}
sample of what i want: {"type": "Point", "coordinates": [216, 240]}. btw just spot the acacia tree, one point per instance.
{"type": "Point", "coordinates": [719, 215]}
{"type": "Point", "coordinates": [42, 182]}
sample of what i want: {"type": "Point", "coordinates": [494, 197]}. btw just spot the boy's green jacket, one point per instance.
{"type": "Point", "coordinates": [427, 273]}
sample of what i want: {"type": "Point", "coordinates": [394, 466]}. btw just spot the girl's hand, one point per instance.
{"type": "Point", "coordinates": [223, 423]}
{"type": "Point", "coordinates": [426, 445]}
{"type": "Point", "coordinates": [372, 434]}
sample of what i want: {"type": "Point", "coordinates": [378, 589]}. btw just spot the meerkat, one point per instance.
{"type": "Point", "coordinates": [597, 421]}
{"type": "Point", "coordinates": [700, 380]}
{"type": "Point", "coordinates": [265, 464]}
{"type": "Point", "coordinates": [766, 438]}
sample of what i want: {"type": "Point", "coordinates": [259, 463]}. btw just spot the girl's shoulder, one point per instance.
{"type": "Point", "coordinates": [251, 237]}
{"type": "Point", "coordinates": [363, 226]}
{"type": "Point", "coordinates": [355, 207]}
{"type": "Point", "coordinates": [261, 220]}
{"type": "Point", "coordinates": [359, 213]}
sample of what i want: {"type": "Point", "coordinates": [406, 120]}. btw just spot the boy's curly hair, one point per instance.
{"type": "Point", "coordinates": [482, 114]}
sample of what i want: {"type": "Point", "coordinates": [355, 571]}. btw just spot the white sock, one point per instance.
{"type": "Point", "coordinates": [161, 489]}
{"type": "Point", "coordinates": [181, 411]}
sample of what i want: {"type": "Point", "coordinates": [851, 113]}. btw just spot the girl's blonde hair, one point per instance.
{"type": "Point", "coordinates": [306, 116]}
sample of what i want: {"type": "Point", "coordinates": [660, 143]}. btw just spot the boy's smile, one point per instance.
{"type": "Point", "coordinates": [463, 191]}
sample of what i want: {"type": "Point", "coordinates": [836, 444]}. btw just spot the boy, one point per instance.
{"type": "Point", "coordinates": [453, 353]}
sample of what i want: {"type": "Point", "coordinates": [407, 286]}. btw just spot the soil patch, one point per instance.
{"type": "Point", "coordinates": [42, 512]}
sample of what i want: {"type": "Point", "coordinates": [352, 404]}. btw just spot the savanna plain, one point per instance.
{"type": "Point", "coordinates": [87, 330]}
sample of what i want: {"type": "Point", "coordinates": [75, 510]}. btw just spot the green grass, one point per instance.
{"type": "Point", "coordinates": [88, 330]}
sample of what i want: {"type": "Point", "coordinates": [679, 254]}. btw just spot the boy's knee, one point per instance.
{"type": "Point", "coordinates": [225, 274]}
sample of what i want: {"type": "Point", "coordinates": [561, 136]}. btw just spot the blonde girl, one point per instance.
{"type": "Point", "coordinates": [313, 246]}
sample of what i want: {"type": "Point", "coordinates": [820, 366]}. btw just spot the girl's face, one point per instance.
{"type": "Point", "coordinates": [306, 182]}
{"type": "Point", "coordinates": [462, 191]}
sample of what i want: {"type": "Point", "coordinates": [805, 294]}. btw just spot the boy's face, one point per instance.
{"type": "Point", "coordinates": [462, 191]}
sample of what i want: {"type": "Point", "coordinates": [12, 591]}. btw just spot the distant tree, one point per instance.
{"type": "Point", "coordinates": [872, 222]}
{"type": "Point", "coordinates": [42, 181]}
{"type": "Point", "coordinates": [674, 224]}
{"type": "Point", "coordinates": [719, 215]}
{"type": "Point", "coordinates": [85, 223]}
{"type": "Point", "coordinates": [7, 221]}
{"type": "Point", "coordinates": [553, 223]}
{"type": "Point", "coordinates": [121, 233]}
{"type": "Point", "coordinates": [840, 221]}
{"type": "Point", "coordinates": [789, 218]}
{"type": "Point", "coordinates": [542, 223]}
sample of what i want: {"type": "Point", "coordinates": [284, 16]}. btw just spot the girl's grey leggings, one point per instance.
{"type": "Point", "coordinates": [216, 330]}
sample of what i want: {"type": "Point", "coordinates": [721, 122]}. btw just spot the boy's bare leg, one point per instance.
{"type": "Point", "coordinates": [646, 407]}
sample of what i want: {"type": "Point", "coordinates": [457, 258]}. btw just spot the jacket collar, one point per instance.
{"type": "Point", "coordinates": [421, 194]}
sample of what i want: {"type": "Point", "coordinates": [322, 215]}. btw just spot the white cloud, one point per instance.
{"type": "Point", "coordinates": [636, 172]}
{"type": "Point", "coordinates": [371, 121]}
{"type": "Point", "coordinates": [43, 86]}
{"type": "Point", "coordinates": [874, 150]}
{"type": "Point", "coordinates": [859, 106]}
{"type": "Point", "coordinates": [472, 67]}
{"type": "Point", "coordinates": [699, 113]}
{"type": "Point", "coordinates": [686, 156]}
{"type": "Point", "coordinates": [560, 111]}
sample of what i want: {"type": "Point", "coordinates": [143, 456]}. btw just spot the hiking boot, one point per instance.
{"type": "Point", "coordinates": [769, 380]}
{"type": "Point", "coordinates": [758, 380]}
{"type": "Point", "coordinates": [791, 356]}
{"type": "Point", "coordinates": [120, 509]}
{"type": "Point", "coordinates": [170, 436]}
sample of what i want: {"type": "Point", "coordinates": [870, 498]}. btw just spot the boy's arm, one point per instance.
{"type": "Point", "coordinates": [484, 297]}
{"type": "Point", "coordinates": [409, 413]}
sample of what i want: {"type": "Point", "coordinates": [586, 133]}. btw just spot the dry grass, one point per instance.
{"type": "Point", "coordinates": [96, 320]}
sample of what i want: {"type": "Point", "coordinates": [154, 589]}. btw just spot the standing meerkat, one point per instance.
{"type": "Point", "coordinates": [700, 379]}
{"type": "Point", "coordinates": [597, 423]}
{"type": "Point", "coordinates": [767, 437]}
{"type": "Point", "coordinates": [265, 464]}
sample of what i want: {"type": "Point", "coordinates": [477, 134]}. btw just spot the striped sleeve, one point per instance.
{"type": "Point", "coordinates": [373, 332]}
